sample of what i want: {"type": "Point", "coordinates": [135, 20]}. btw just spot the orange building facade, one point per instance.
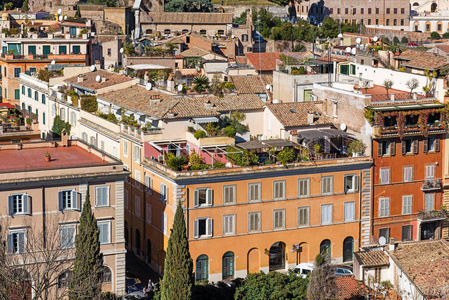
{"type": "Point", "coordinates": [408, 173]}
{"type": "Point", "coordinates": [249, 219]}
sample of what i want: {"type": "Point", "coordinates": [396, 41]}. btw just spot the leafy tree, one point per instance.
{"type": "Point", "coordinates": [395, 40]}
{"type": "Point", "coordinates": [435, 35]}
{"type": "Point", "coordinates": [387, 84]}
{"type": "Point", "coordinates": [25, 6]}
{"type": "Point", "coordinates": [9, 6]}
{"type": "Point", "coordinates": [188, 6]}
{"type": "Point", "coordinates": [128, 48]}
{"type": "Point", "coordinates": [88, 265]}
{"type": "Point", "coordinates": [412, 84]}
{"type": "Point", "coordinates": [285, 156]}
{"type": "Point", "coordinates": [446, 35]}
{"type": "Point", "coordinates": [322, 283]}
{"type": "Point", "coordinates": [175, 162]}
{"type": "Point", "coordinates": [201, 83]}
{"type": "Point", "coordinates": [273, 285]}
{"type": "Point", "coordinates": [58, 126]}
{"type": "Point", "coordinates": [89, 104]}
{"type": "Point", "coordinates": [44, 75]}
{"type": "Point", "coordinates": [329, 28]}
{"type": "Point", "coordinates": [199, 134]}
{"type": "Point", "coordinates": [229, 131]}
{"type": "Point", "coordinates": [241, 20]}
{"type": "Point", "coordinates": [241, 157]}
{"type": "Point", "coordinates": [386, 40]}
{"type": "Point", "coordinates": [404, 40]}
{"type": "Point", "coordinates": [78, 12]}
{"type": "Point", "coordinates": [178, 279]}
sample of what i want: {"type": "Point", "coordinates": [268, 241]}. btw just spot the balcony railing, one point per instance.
{"type": "Point", "coordinates": [433, 214]}
{"type": "Point", "coordinates": [431, 185]}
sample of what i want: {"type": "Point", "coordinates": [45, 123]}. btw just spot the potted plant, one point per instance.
{"type": "Point", "coordinates": [47, 156]}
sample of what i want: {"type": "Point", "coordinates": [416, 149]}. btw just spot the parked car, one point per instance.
{"type": "Point", "coordinates": [343, 271]}
{"type": "Point", "coordinates": [303, 269]}
{"type": "Point", "coordinates": [413, 44]}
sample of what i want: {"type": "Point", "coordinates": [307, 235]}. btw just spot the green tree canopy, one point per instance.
{"type": "Point", "coordinates": [188, 6]}
{"type": "Point", "coordinates": [58, 126]}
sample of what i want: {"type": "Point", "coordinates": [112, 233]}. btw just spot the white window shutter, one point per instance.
{"type": "Point", "coordinates": [61, 207]}
{"type": "Point", "coordinates": [161, 191]}
{"type": "Point", "coordinates": [25, 200]}
{"type": "Point", "coordinates": [196, 198]}
{"type": "Point", "coordinates": [9, 241]}
{"type": "Point", "coordinates": [10, 205]}
{"type": "Point", "coordinates": [195, 229]}
{"type": "Point", "coordinates": [209, 196]}
{"type": "Point", "coordinates": [356, 183]}
{"type": "Point", "coordinates": [210, 227]}
{"type": "Point", "coordinates": [75, 199]}
{"type": "Point", "coordinates": [234, 194]}
{"type": "Point", "coordinates": [21, 240]}
{"type": "Point", "coordinates": [107, 190]}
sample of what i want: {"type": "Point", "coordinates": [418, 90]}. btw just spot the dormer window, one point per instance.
{"type": "Point", "coordinates": [390, 121]}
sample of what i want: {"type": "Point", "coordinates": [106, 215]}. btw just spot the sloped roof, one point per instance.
{"type": "Point", "coordinates": [248, 84]}
{"type": "Point", "coordinates": [90, 83]}
{"type": "Point", "coordinates": [444, 48]}
{"type": "Point", "coordinates": [191, 18]}
{"type": "Point", "coordinates": [263, 61]}
{"type": "Point", "coordinates": [374, 258]}
{"type": "Point", "coordinates": [348, 288]}
{"type": "Point", "coordinates": [428, 61]}
{"type": "Point", "coordinates": [426, 263]}
{"type": "Point", "coordinates": [294, 114]}
{"type": "Point", "coordinates": [196, 52]}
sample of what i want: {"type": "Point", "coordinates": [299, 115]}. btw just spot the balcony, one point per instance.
{"type": "Point", "coordinates": [146, 135]}
{"type": "Point", "coordinates": [431, 186]}
{"type": "Point", "coordinates": [432, 215]}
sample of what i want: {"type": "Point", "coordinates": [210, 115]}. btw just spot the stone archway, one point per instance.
{"type": "Point", "coordinates": [277, 256]}
{"type": "Point", "coordinates": [253, 261]}
{"type": "Point", "coordinates": [302, 253]}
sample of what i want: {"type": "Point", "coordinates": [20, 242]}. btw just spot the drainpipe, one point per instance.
{"type": "Point", "coordinates": [360, 208]}
{"type": "Point", "coordinates": [44, 229]}
{"type": "Point", "coordinates": [187, 212]}
{"type": "Point", "coordinates": [372, 190]}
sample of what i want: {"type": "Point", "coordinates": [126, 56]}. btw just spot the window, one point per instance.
{"type": "Point", "coordinates": [202, 267]}
{"type": "Point", "coordinates": [220, 32]}
{"type": "Point", "coordinates": [16, 242]}
{"type": "Point", "coordinates": [32, 70]}
{"type": "Point", "coordinates": [203, 196]}
{"type": "Point", "coordinates": [137, 206]}
{"type": "Point", "coordinates": [109, 51]}
{"type": "Point", "coordinates": [326, 248]}
{"type": "Point", "coordinates": [279, 219]}
{"type": "Point", "coordinates": [385, 232]}
{"type": "Point", "coordinates": [23, 90]}
{"type": "Point", "coordinates": [377, 20]}
{"type": "Point", "coordinates": [303, 216]}
{"type": "Point", "coordinates": [408, 174]}
{"type": "Point", "coordinates": [410, 146]}
{"type": "Point", "coordinates": [326, 214]}
{"type": "Point", "coordinates": [17, 72]}
{"type": "Point", "coordinates": [384, 176]}
{"type": "Point", "coordinates": [327, 185]}
{"type": "Point", "coordinates": [17, 94]}
{"type": "Point", "coordinates": [43, 98]}
{"type": "Point", "coordinates": [432, 144]}
{"type": "Point", "coordinates": [62, 49]}
{"type": "Point", "coordinates": [125, 148]}
{"type": "Point", "coordinates": [203, 32]}
{"type": "Point", "coordinates": [136, 154]}
{"type": "Point", "coordinates": [349, 211]}
{"type": "Point", "coordinates": [148, 183]}
{"type": "Point", "coordinates": [369, 21]}
{"type": "Point", "coordinates": [164, 223]}
{"type": "Point", "coordinates": [369, 11]}
{"type": "Point", "coordinates": [148, 213]}
{"type": "Point", "coordinates": [203, 227]}
{"type": "Point", "coordinates": [254, 221]}
{"type": "Point", "coordinates": [67, 236]}
{"type": "Point", "coordinates": [84, 137]}
{"type": "Point", "coordinates": [228, 265]}
{"type": "Point", "coordinates": [430, 173]}
{"type": "Point", "coordinates": [429, 200]}
{"type": "Point", "coordinates": [346, 10]}
{"type": "Point", "coordinates": [388, 10]}
{"type": "Point", "coordinates": [338, 10]}
{"type": "Point", "coordinates": [386, 148]}
{"type": "Point", "coordinates": [395, 11]}
{"type": "Point", "coordinates": [62, 113]}
{"type": "Point", "coordinates": [43, 118]}
{"type": "Point", "coordinates": [304, 187]}
{"type": "Point", "coordinates": [348, 248]}
{"type": "Point", "coordinates": [362, 11]}
{"type": "Point", "coordinates": [402, 22]}
{"type": "Point", "coordinates": [244, 37]}
{"type": "Point", "coordinates": [102, 196]}
{"type": "Point", "coordinates": [384, 207]}
{"type": "Point", "coordinates": [228, 224]}
{"type": "Point", "coordinates": [163, 190]}
{"type": "Point", "coordinates": [254, 190]}
{"type": "Point", "coordinates": [351, 183]}
{"type": "Point", "coordinates": [18, 204]}
{"type": "Point", "coordinates": [29, 93]}
{"type": "Point", "coordinates": [107, 274]}
{"type": "Point", "coordinates": [229, 192]}
{"type": "Point", "coordinates": [105, 231]}
{"type": "Point", "coordinates": [102, 145]}
{"type": "Point", "coordinates": [68, 199]}
{"type": "Point", "coordinates": [53, 110]}
{"type": "Point", "coordinates": [137, 178]}
{"type": "Point", "coordinates": [64, 279]}
{"type": "Point", "coordinates": [93, 141]}
{"type": "Point", "coordinates": [72, 118]}
{"type": "Point", "coordinates": [36, 96]}
{"type": "Point", "coordinates": [407, 202]}
{"type": "Point", "coordinates": [279, 190]}
{"type": "Point", "coordinates": [114, 151]}
{"type": "Point", "coordinates": [395, 22]}
{"type": "Point", "coordinates": [354, 11]}
{"type": "Point", "coordinates": [407, 233]}
{"type": "Point", "coordinates": [77, 50]}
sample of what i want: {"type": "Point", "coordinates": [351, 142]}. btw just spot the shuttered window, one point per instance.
{"type": "Point", "coordinates": [351, 183]}
{"type": "Point", "coordinates": [349, 211]}
{"type": "Point", "coordinates": [407, 233]}
{"type": "Point", "coordinates": [105, 231]}
{"type": "Point", "coordinates": [326, 214]}
{"type": "Point", "coordinates": [429, 200]}
{"type": "Point", "coordinates": [407, 202]}
{"type": "Point", "coordinates": [279, 219]}
{"type": "Point", "coordinates": [67, 236]}
{"type": "Point", "coordinates": [408, 174]}
{"type": "Point", "coordinates": [384, 176]}
{"type": "Point", "coordinates": [203, 196]}
{"type": "Point", "coordinates": [203, 227]}
{"type": "Point", "coordinates": [102, 196]}
{"type": "Point", "coordinates": [16, 242]}
{"type": "Point", "coordinates": [18, 204]}
{"type": "Point", "coordinates": [304, 187]}
{"type": "Point", "coordinates": [149, 213]}
{"type": "Point", "coordinates": [327, 185]}
{"type": "Point", "coordinates": [68, 199]}
{"type": "Point", "coordinates": [279, 189]}
{"type": "Point", "coordinates": [303, 216]}
{"type": "Point", "coordinates": [229, 194]}
{"type": "Point", "coordinates": [254, 190]}
{"type": "Point", "coordinates": [149, 183]}
{"type": "Point", "coordinates": [384, 207]}
{"type": "Point", "coordinates": [254, 221]}
{"type": "Point", "coordinates": [430, 173]}
{"type": "Point", "coordinates": [228, 224]}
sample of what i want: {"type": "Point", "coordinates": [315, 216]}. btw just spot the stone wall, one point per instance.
{"type": "Point", "coordinates": [277, 11]}
{"type": "Point", "coordinates": [390, 34]}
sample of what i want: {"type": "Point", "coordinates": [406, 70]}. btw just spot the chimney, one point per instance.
{"type": "Point", "coordinates": [80, 78]}
{"type": "Point", "coordinates": [171, 114]}
{"type": "Point", "coordinates": [392, 97]}
{"type": "Point", "coordinates": [392, 245]}
{"type": "Point", "coordinates": [155, 99]}
{"type": "Point", "coordinates": [64, 138]}
{"type": "Point", "coordinates": [103, 78]}
{"type": "Point", "coordinates": [310, 116]}
{"type": "Point", "coordinates": [207, 104]}
{"type": "Point", "coordinates": [415, 96]}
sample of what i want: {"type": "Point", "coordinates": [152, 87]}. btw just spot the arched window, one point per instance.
{"type": "Point", "coordinates": [416, 4]}
{"type": "Point", "coordinates": [64, 279]}
{"type": "Point", "coordinates": [228, 265]}
{"type": "Point", "coordinates": [149, 251]}
{"type": "Point", "coordinates": [29, 93]}
{"type": "Point", "coordinates": [23, 90]}
{"type": "Point", "coordinates": [325, 248]}
{"type": "Point", "coordinates": [167, 31]}
{"type": "Point", "coordinates": [84, 138]}
{"type": "Point", "coordinates": [348, 248]}
{"type": "Point", "coordinates": [202, 267]}
{"type": "Point", "coordinates": [107, 274]}
{"type": "Point", "coordinates": [184, 31]}
{"type": "Point", "coordinates": [149, 31]}
{"type": "Point", "coordinates": [138, 241]}
{"type": "Point", "coordinates": [36, 96]}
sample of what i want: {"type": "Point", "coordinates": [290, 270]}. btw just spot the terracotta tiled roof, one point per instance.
{"type": "Point", "coordinates": [348, 288]}
{"type": "Point", "coordinates": [263, 61]}
{"type": "Point", "coordinates": [427, 61]}
{"type": "Point", "coordinates": [248, 84]}
{"type": "Point", "coordinates": [426, 263]}
{"type": "Point", "coordinates": [240, 59]}
{"type": "Point", "coordinates": [89, 81]}
{"type": "Point", "coordinates": [444, 48]}
{"type": "Point", "coordinates": [372, 258]}
{"type": "Point", "coordinates": [191, 18]}
{"type": "Point", "coordinates": [197, 52]}
{"type": "Point", "coordinates": [409, 55]}
{"type": "Point", "coordinates": [294, 114]}
{"type": "Point", "coordinates": [267, 79]}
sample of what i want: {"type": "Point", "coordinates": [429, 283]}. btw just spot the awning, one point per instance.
{"type": "Point", "coordinates": [147, 67]}
{"type": "Point", "coordinates": [278, 143]}
{"type": "Point", "coordinates": [206, 120]}
{"type": "Point", "coordinates": [252, 145]}
{"type": "Point", "coordinates": [316, 134]}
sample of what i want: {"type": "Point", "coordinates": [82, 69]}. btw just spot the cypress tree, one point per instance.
{"type": "Point", "coordinates": [178, 280]}
{"type": "Point", "coordinates": [78, 13]}
{"type": "Point", "coordinates": [88, 266]}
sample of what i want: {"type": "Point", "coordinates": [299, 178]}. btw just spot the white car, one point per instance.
{"type": "Point", "coordinates": [304, 269]}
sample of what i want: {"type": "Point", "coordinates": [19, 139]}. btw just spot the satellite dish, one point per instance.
{"type": "Point", "coordinates": [358, 40]}
{"type": "Point", "coordinates": [382, 240]}
{"type": "Point", "coordinates": [98, 78]}
{"type": "Point", "coordinates": [53, 62]}
{"type": "Point", "coordinates": [65, 17]}
{"type": "Point", "coordinates": [340, 35]}
{"type": "Point", "coordinates": [267, 87]}
{"type": "Point", "coordinates": [375, 38]}
{"type": "Point", "coordinates": [121, 50]}
{"type": "Point", "coordinates": [92, 68]}
{"type": "Point", "coordinates": [180, 88]}
{"type": "Point", "coordinates": [232, 37]}
{"type": "Point", "coordinates": [354, 51]}
{"type": "Point", "coordinates": [366, 45]}
{"type": "Point", "coordinates": [348, 49]}
{"type": "Point", "coordinates": [343, 127]}
{"type": "Point", "coordinates": [60, 18]}
{"type": "Point", "coordinates": [59, 11]}
{"type": "Point", "coordinates": [149, 86]}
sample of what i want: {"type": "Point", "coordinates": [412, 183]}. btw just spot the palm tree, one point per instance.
{"type": "Point", "coordinates": [201, 83]}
